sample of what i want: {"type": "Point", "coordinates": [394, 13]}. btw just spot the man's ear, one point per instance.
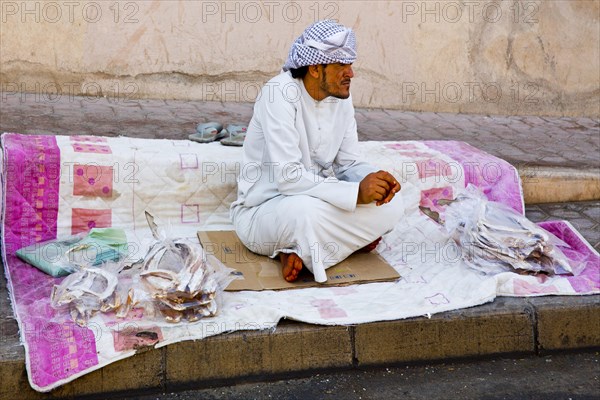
{"type": "Point", "coordinates": [314, 71]}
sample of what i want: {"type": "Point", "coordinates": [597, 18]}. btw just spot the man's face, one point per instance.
{"type": "Point", "coordinates": [335, 80]}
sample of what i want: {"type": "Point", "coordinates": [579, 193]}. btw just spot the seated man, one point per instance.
{"type": "Point", "coordinates": [303, 193]}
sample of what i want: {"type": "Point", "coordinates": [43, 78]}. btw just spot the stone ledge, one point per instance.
{"type": "Point", "coordinates": [505, 326]}
{"type": "Point", "coordinates": [290, 348]}
{"type": "Point", "coordinates": [559, 185]}
{"type": "Point", "coordinates": [567, 325]}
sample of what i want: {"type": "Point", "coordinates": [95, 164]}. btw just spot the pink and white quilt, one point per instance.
{"type": "Point", "coordinates": [54, 186]}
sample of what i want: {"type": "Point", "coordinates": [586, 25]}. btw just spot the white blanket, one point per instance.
{"type": "Point", "coordinates": [57, 186]}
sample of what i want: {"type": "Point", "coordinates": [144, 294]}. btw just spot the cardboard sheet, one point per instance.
{"type": "Point", "coordinates": [263, 273]}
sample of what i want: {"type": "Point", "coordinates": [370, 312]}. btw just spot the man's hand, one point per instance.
{"type": "Point", "coordinates": [379, 187]}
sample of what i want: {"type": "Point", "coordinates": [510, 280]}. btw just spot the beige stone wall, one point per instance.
{"type": "Point", "coordinates": [496, 57]}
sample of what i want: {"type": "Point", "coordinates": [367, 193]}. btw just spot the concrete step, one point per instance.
{"type": "Point", "coordinates": [505, 326]}
{"type": "Point", "coordinates": [559, 184]}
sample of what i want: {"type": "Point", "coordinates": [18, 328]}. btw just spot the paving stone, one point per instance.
{"type": "Point", "coordinates": [70, 106]}
{"type": "Point", "coordinates": [408, 117]}
{"type": "Point", "coordinates": [592, 235]}
{"type": "Point", "coordinates": [536, 215]}
{"type": "Point", "coordinates": [503, 120]}
{"type": "Point", "coordinates": [387, 125]}
{"type": "Point", "coordinates": [590, 123]}
{"type": "Point", "coordinates": [512, 154]}
{"type": "Point", "coordinates": [582, 223]}
{"type": "Point", "coordinates": [593, 212]}
{"type": "Point", "coordinates": [532, 120]}
{"type": "Point", "coordinates": [151, 103]}
{"type": "Point", "coordinates": [565, 213]}
{"type": "Point", "coordinates": [581, 215]}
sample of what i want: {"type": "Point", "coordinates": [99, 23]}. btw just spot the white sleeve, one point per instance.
{"type": "Point", "coordinates": [348, 165]}
{"type": "Point", "coordinates": [282, 140]}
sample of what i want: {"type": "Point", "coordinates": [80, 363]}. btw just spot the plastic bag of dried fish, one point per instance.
{"type": "Point", "coordinates": [494, 238]}
{"type": "Point", "coordinates": [182, 279]}
{"type": "Point", "coordinates": [89, 290]}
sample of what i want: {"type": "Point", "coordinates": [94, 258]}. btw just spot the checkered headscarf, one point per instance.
{"type": "Point", "coordinates": [324, 42]}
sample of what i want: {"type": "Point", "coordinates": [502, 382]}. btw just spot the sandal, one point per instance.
{"type": "Point", "coordinates": [208, 132]}
{"type": "Point", "coordinates": [237, 134]}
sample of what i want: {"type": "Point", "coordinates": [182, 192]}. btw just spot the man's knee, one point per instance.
{"type": "Point", "coordinates": [300, 203]}
{"type": "Point", "coordinates": [396, 207]}
{"type": "Point", "coordinates": [386, 216]}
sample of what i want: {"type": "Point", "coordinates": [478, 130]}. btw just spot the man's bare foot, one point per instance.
{"type": "Point", "coordinates": [370, 247]}
{"type": "Point", "coordinates": [292, 265]}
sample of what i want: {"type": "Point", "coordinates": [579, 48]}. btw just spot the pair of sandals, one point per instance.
{"type": "Point", "coordinates": [208, 132]}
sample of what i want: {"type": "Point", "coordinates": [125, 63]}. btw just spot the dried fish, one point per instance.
{"type": "Point", "coordinates": [494, 238]}
{"type": "Point", "coordinates": [177, 275]}
{"type": "Point", "coordinates": [152, 225]}
{"type": "Point", "coordinates": [87, 291]}
{"type": "Point", "coordinates": [172, 316]}
{"type": "Point", "coordinates": [128, 304]}
{"type": "Point", "coordinates": [174, 279]}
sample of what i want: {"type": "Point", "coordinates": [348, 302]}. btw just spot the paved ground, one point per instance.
{"type": "Point", "coordinates": [522, 140]}
{"type": "Point", "coordinates": [585, 216]}
{"type": "Point", "coordinates": [541, 141]}
{"type": "Point", "coordinates": [535, 141]}
{"type": "Point", "coordinates": [559, 376]}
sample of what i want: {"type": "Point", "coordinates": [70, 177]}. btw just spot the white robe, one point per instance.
{"type": "Point", "coordinates": [299, 180]}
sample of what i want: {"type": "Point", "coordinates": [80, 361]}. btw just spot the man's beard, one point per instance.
{"type": "Point", "coordinates": [326, 87]}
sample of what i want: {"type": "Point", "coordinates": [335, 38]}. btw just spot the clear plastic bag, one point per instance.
{"type": "Point", "coordinates": [59, 257]}
{"type": "Point", "coordinates": [185, 283]}
{"type": "Point", "coordinates": [494, 238]}
{"type": "Point", "coordinates": [182, 281]}
{"type": "Point", "coordinates": [88, 290]}
{"type": "Point", "coordinates": [175, 281]}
